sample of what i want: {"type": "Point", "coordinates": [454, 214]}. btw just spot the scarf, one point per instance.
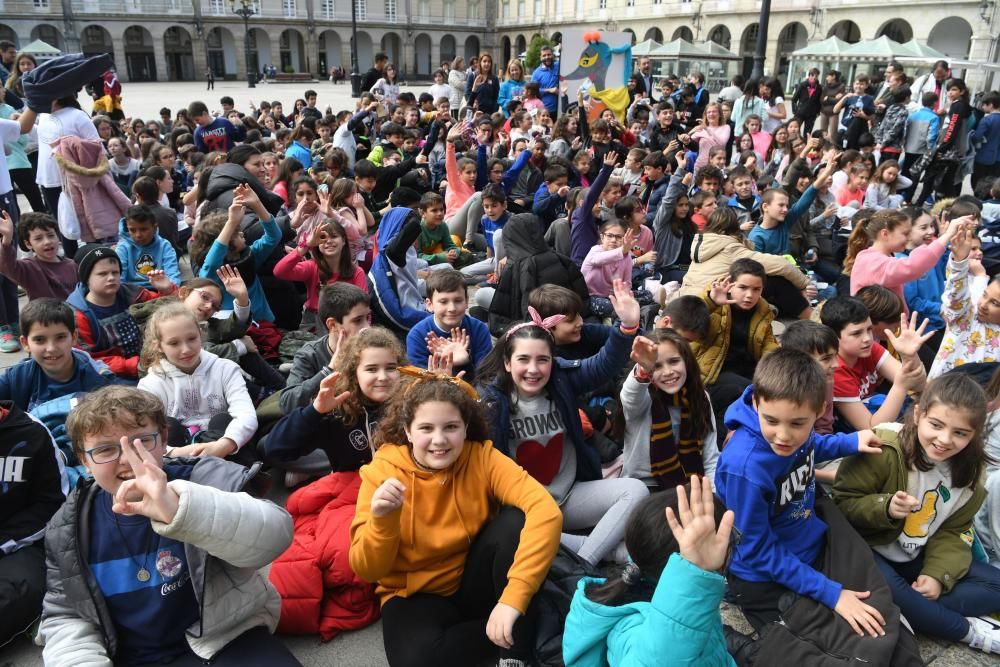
{"type": "Point", "coordinates": [672, 463]}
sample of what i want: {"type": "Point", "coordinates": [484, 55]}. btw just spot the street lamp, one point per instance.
{"type": "Point", "coordinates": [355, 74]}
{"type": "Point", "coordinates": [245, 11]}
{"type": "Point", "coordinates": [757, 73]}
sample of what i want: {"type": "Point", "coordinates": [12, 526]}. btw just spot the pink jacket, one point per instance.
{"type": "Point", "coordinates": [294, 267]}
{"type": "Point", "coordinates": [600, 268]}
{"type": "Point", "coordinates": [87, 181]}
{"type": "Point", "coordinates": [708, 138]}
{"type": "Point", "coordinates": [872, 267]}
{"type": "Point", "coordinates": [458, 192]}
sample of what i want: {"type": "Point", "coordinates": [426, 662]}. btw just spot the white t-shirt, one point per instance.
{"type": "Point", "coordinates": [10, 132]}
{"type": "Point", "coordinates": [439, 90]}
{"type": "Point", "coordinates": [65, 122]}
{"type": "Point", "coordinates": [771, 124]}
{"type": "Point", "coordinates": [938, 501]}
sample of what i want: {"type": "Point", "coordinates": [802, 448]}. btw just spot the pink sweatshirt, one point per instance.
{"type": "Point", "coordinates": [872, 267]}
{"type": "Point", "coordinates": [458, 192]}
{"type": "Point", "coordinates": [601, 267]}
{"type": "Point", "coordinates": [295, 267]}
{"type": "Point", "coordinates": [761, 142]}
{"type": "Point", "coordinates": [708, 138]}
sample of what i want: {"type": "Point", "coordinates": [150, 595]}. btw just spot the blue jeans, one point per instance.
{"type": "Point", "coordinates": [977, 594]}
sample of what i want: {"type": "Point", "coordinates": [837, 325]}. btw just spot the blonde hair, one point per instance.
{"type": "Point", "coordinates": [151, 354]}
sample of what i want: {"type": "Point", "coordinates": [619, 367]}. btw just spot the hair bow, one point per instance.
{"type": "Point", "coordinates": [548, 323]}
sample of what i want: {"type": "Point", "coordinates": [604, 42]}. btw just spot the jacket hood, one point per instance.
{"type": "Point", "coordinates": [224, 179]}
{"type": "Point", "coordinates": [742, 413]}
{"type": "Point", "coordinates": [523, 237]}
{"type": "Point", "coordinates": [706, 247]}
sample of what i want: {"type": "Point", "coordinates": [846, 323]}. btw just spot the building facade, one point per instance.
{"type": "Point", "coordinates": [170, 40]}
{"type": "Point", "coordinates": [178, 40]}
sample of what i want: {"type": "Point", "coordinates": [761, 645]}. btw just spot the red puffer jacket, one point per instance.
{"type": "Point", "coordinates": [319, 591]}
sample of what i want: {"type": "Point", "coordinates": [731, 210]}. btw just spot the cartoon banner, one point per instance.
{"type": "Point", "coordinates": [600, 64]}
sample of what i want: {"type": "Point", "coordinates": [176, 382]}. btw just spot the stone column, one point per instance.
{"type": "Point", "coordinates": [240, 43]}
{"type": "Point", "coordinates": [199, 54]}
{"type": "Point", "coordinates": [160, 58]}
{"type": "Point", "coordinates": [121, 65]}
{"type": "Point", "coordinates": [275, 38]}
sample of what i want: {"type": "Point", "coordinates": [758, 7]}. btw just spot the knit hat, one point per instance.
{"type": "Point", "coordinates": [62, 77]}
{"type": "Point", "coordinates": [87, 256]}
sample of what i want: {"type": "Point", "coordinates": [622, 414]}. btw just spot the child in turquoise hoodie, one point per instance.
{"type": "Point", "coordinates": [141, 249]}
{"type": "Point", "coordinates": [663, 609]}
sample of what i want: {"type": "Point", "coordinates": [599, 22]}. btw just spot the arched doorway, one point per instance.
{"type": "Point", "coordinates": [506, 49]}
{"type": "Point", "coordinates": [520, 46]}
{"type": "Point", "coordinates": [330, 49]}
{"type": "Point", "coordinates": [49, 34]}
{"type": "Point", "coordinates": [179, 53]}
{"type": "Point", "coordinates": [260, 49]}
{"type": "Point", "coordinates": [897, 30]}
{"type": "Point", "coordinates": [448, 49]}
{"type": "Point", "coordinates": [654, 34]}
{"type": "Point", "coordinates": [683, 32]}
{"type": "Point", "coordinates": [392, 47]}
{"type": "Point", "coordinates": [422, 53]}
{"type": "Point", "coordinates": [95, 40]}
{"type": "Point", "coordinates": [221, 52]}
{"type": "Point", "coordinates": [792, 37]}
{"type": "Point", "coordinates": [720, 35]}
{"type": "Point", "coordinates": [847, 31]}
{"type": "Point", "coordinates": [632, 35]}
{"type": "Point", "coordinates": [951, 36]}
{"type": "Point", "coordinates": [472, 48]}
{"type": "Point", "coordinates": [366, 56]}
{"type": "Point", "coordinates": [291, 51]}
{"type": "Point", "coordinates": [7, 34]}
{"type": "Point", "coordinates": [139, 60]}
{"type": "Point", "coordinates": [747, 44]}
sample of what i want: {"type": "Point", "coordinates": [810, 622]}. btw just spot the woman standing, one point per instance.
{"type": "Point", "coordinates": [23, 63]}
{"type": "Point", "coordinates": [513, 87]}
{"type": "Point", "coordinates": [482, 87]}
{"type": "Point", "coordinates": [456, 81]}
{"type": "Point", "coordinates": [770, 92]}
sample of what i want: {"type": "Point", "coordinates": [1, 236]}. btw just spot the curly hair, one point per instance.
{"type": "Point", "coordinates": [115, 406]}
{"type": "Point", "coordinates": [402, 408]}
{"type": "Point", "coordinates": [205, 233]}
{"type": "Point", "coordinates": [349, 358]}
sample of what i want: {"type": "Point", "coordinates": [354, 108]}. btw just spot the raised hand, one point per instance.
{"type": "Point", "coordinates": [158, 279]}
{"type": "Point", "coordinates": [699, 541]}
{"type": "Point", "coordinates": [720, 292]}
{"type": "Point", "coordinates": [610, 159]}
{"type": "Point", "coordinates": [147, 493]}
{"type": "Point", "coordinates": [456, 131]}
{"type": "Point", "coordinates": [625, 305]}
{"type": "Point", "coordinates": [7, 228]}
{"type": "Point", "coordinates": [910, 337]}
{"type": "Point", "coordinates": [627, 242]}
{"type": "Point", "coordinates": [901, 504]}
{"type": "Point", "coordinates": [961, 244]}
{"type": "Point", "coordinates": [388, 497]}
{"type": "Point", "coordinates": [645, 353]}
{"type": "Point", "coordinates": [327, 400]}
{"type": "Point", "coordinates": [232, 282]}
{"type": "Point", "coordinates": [965, 223]}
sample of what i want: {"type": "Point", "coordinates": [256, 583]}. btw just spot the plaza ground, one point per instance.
{"type": "Point", "coordinates": [362, 648]}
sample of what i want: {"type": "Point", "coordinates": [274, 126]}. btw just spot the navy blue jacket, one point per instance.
{"type": "Point", "coordinates": [569, 379]}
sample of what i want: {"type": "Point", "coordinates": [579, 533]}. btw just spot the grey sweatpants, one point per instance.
{"type": "Point", "coordinates": [605, 505]}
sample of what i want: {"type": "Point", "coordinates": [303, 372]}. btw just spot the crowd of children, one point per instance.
{"type": "Point", "coordinates": [499, 351]}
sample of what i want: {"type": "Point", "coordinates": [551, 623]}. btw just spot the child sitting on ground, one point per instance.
{"type": "Point", "coordinates": [915, 505]}
{"type": "Point", "coordinates": [449, 329]}
{"type": "Point", "coordinates": [663, 606]}
{"type": "Point", "coordinates": [141, 249]}
{"type": "Point", "coordinates": [209, 411]}
{"type": "Point", "coordinates": [53, 367]}
{"type": "Point", "coordinates": [435, 245]}
{"type": "Point", "coordinates": [461, 596]}
{"type": "Point", "coordinates": [104, 326]}
{"type": "Point", "coordinates": [45, 274]}
{"type": "Point", "coordinates": [202, 589]}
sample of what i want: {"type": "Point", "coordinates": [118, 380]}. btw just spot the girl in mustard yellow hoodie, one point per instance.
{"type": "Point", "coordinates": [456, 535]}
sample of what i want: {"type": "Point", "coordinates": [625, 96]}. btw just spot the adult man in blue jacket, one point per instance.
{"type": "Point", "coordinates": [547, 77]}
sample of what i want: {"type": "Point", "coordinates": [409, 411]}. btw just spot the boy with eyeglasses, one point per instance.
{"type": "Point", "coordinates": [158, 560]}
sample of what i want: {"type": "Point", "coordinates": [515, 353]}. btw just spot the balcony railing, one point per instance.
{"type": "Point", "coordinates": [150, 7]}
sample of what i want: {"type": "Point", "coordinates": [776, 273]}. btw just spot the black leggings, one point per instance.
{"type": "Point", "coordinates": [786, 297]}
{"type": "Point", "coordinates": [728, 388]}
{"type": "Point", "coordinates": [430, 630]}
{"type": "Point", "coordinates": [256, 646]}
{"type": "Point", "coordinates": [24, 179]}
{"type": "Point", "coordinates": [9, 307]}
{"type": "Point", "coordinates": [22, 585]}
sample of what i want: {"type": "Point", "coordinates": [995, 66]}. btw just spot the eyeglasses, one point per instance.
{"type": "Point", "coordinates": [613, 237]}
{"type": "Point", "coordinates": [207, 298]}
{"type": "Point", "coordinates": [108, 453]}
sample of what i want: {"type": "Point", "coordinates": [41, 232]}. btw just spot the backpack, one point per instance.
{"type": "Point", "coordinates": [552, 604]}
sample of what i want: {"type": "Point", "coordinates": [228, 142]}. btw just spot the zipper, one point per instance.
{"type": "Point", "coordinates": [85, 570]}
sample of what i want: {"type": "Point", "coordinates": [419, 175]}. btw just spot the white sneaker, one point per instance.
{"type": "Point", "coordinates": [511, 662]}
{"type": "Point", "coordinates": [984, 633]}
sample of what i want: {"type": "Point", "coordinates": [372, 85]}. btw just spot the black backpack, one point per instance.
{"type": "Point", "coordinates": [552, 602]}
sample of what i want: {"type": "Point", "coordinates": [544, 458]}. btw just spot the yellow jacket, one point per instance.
{"type": "Point", "coordinates": [711, 353]}
{"type": "Point", "coordinates": [422, 546]}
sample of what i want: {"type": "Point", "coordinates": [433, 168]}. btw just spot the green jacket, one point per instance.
{"type": "Point", "coordinates": [865, 484]}
{"type": "Point", "coordinates": [434, 244]}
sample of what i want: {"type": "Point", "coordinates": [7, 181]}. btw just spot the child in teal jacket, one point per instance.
{"type": "Point", "coordinates": [658, 611]}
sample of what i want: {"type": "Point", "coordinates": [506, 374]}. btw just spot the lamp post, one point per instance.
{"type": "Point", "coordinates": [245, 10]}
{"type": "Point", "coordinates": [355, 74]}
{"type": "Point", "coordinates": [760, 48]}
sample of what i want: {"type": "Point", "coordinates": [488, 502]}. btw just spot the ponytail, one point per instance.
{"type": "Point", "coordinates": [625, 586]}
{"type": "Point", "coordinates": [867, 229]}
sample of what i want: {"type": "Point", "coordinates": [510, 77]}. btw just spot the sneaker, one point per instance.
{"type": "Point", "coordinates": [511, 662]}
{"type": "Point", "coordinates": [984, 634]}
{"type": "Point", "coordinates": [8, 340]}
{"type": "Point", "coordinates": [285, 367]}
{"type": "Point", "coordinates": [293, 479]}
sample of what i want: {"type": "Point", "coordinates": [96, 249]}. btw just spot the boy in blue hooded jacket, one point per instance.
{"type": "Point", "coordinates": [141, 249]}
{"type": "Point", "coordinates": [766, 474]}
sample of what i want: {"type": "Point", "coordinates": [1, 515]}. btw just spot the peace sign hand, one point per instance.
{"type": "Point", "coordinates": [147, 494]}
